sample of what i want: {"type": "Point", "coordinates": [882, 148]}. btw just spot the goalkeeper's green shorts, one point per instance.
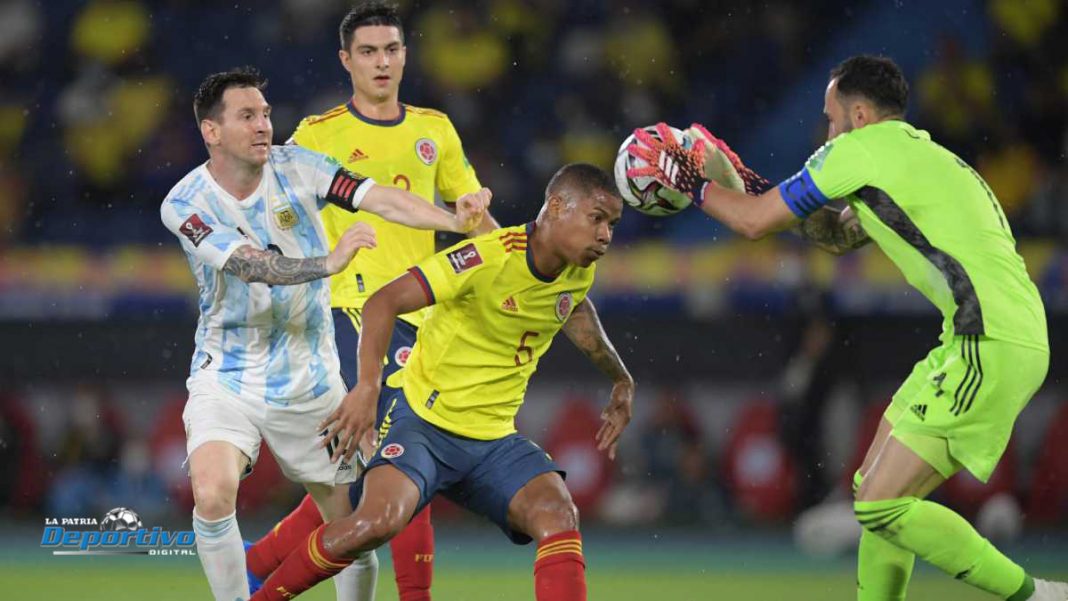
{"type": "Point", "coordinates": [958, 406]}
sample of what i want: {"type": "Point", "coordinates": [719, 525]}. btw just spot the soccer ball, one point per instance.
{"type": "Point", "coordinates": [645, 194]}
{"type": "Point", "coordinates": [121, 518]}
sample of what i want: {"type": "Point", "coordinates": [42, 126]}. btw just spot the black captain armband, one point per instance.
{"type": "Point", "coordinates": [348, 189]}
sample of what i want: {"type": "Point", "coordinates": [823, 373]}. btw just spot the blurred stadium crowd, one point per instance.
{"type": "Point", "coordinates": [96, 126]}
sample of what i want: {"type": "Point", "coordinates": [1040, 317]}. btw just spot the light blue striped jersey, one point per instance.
{"type": "Point", "coordinates": [260, 341]}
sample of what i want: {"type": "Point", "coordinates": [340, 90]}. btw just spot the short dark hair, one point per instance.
{"type": "Point", "coordinates": [583, 178]}
{"type": "Point", "coordinates": [876, 78]}
{"type": "Point", "coordinates": [370, 12]}
{"type": "Point", "coordinates": [208, 100]}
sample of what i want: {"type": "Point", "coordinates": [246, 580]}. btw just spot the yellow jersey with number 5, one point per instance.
{"type": "Point", "coordinates": [419, 151]}
{"type": "Point", "coordinates": [494, 316]}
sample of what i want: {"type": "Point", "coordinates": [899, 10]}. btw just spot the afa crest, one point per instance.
{"type": "Point", "coordinates": [286, 217]}
{"type": "Point", "coordinates": [564, 303]}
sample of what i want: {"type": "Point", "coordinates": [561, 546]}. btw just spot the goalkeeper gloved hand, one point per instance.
{"type": "Point", "coordinates": [708, 160]}
{"type": "Point", "coordinates": [724, 166]}
{"type": "Point", "coordinates": [669, 163]}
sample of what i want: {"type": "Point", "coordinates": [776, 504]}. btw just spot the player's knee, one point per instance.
{"type": "Point", "coordinates": [214, 496]}
{"type": "Point", "coordinates": [555, 516]}
{"type": "Point", "coordinates": [883, 517]}
{"type": "Point", "coordinates": [214, 501]}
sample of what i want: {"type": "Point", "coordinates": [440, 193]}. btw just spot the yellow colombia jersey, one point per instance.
{"type": "Point", "coordinates": [419, 151]}
{"type": "Point", "coordinates": [494, 317]}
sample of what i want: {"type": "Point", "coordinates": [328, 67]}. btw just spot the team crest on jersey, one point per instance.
{"type": "Point", "coordinates": [427, 150]}
{"type": "Point", "coordinates": [392, 451]}
{"type": "Point", "coordinates": [564, 302]}
{"type": "Point", "coordinates": [195, 229]}
{"type": "Point", "coordinates": [286, 217]}
{"type": "Point", "coordinates": [401, 356]}
{"type": "Point", "coordinates": [464, 258]}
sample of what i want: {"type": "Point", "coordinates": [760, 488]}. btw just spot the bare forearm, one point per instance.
{"type": "Point", "coordinates": [264, 266]}
{"type": "Point", "coordinates": [402, 295]}
{"type": "Point", "coordinates": [751, 216]}
{"type": "Point", "coordinates": [826, 230]}
{"type": "Point", "coordinates": [378, 317]}
{"type": "Point", "coordinates": [584, 330]}
{"type": "Point", "coordinates": [405, 208]}
{"type": "Point", "coordinates": [734, 209]}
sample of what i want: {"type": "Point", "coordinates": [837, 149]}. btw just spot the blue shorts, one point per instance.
{"type": "Point", "coordinates": [480, 475]}
{"type": "Point", "coordinates": [347, 337]}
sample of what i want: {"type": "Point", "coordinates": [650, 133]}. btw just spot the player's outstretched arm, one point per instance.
{"type": "Point", "coordinates": [356, 415]}
{"type": "Point", "coordinates": [252, 265]}
{"type": "Point", "coordinates": [263, 266]}
{"type": "Point", "coordinates": [398, 206]}
{"type": "Point", "coordinates": [833, 230]}
{"type": "Point", "coordinates": [683, 170]}
{"type": "Point", "coordinates": [584, 329]}
{"type": "Point", "coordinates": [751, 216]}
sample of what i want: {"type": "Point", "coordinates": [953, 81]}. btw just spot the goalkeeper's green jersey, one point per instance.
{"type": "Point", "coordinates": [936, 219]}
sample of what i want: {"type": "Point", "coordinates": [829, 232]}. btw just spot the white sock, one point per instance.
{"type": "Point", "coordinates": [223, 556]}
{"type": "Point", "coordinates": [357, 582]}
{"type": "Point", "coordinates": [1048, 590]}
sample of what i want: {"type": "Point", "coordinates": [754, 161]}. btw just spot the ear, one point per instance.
{"type": "Point", "coordinates": [861, 114]}
{"type": "Point", "coordinates": [210, 131]}
{"type": "Point", "coordinates": [556, 205]}
{"type": "Point", "coordinates": [346, 59]}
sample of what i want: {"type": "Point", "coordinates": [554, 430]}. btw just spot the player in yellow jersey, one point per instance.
{"type": "Point", "coordinates": [499, 300]}
{"type": "Point", "coordinates": [415, 149]}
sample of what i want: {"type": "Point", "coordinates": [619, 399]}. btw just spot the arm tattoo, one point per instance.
{"type": "Point", "coordinates": [584, 329]}
{"type": "Point", "coordinates": [823, 229]}
{"type": "Point", "coordinates": [252, 265]}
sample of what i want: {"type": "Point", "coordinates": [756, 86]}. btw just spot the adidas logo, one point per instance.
{"type": "Point", "coordinates": [509, 305]}
{"type": "Point", "coordinates": [357, 155]}
{"type": "Point", "coordinates": [920, 411]}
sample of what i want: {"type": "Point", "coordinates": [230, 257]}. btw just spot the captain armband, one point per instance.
{"type": "Point", "coordinates": [348, 189]}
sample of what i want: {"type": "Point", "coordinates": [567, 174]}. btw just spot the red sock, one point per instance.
{"type": "Point", "coordinates": [413, 558]}
{"type": "Point", "coordinates": [268, 552]}
{"type": "Point", "coordinates": [560, 568]}
{"type": "Point", "coordinates": [308, 565]}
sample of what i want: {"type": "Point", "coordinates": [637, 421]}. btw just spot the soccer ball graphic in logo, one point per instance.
{"type": "Point", "coordinates": [645, 194]}
{"type": "Point", "coordinates": [121, 518]}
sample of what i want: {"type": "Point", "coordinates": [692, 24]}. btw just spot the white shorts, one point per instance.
{"type": "Point", "coordinates": [215, 413]}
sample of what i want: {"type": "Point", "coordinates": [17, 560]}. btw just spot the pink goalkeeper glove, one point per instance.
{"type": "Point", "coordinates": [725, 166]}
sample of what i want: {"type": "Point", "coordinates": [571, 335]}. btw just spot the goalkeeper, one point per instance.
{"type": "Point", "coordinates": [939, 222]}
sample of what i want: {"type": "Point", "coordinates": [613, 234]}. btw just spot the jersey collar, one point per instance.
{"type": "Point", "coordinates": [548, 279]}
{"type": "Point", "coordinates": [381, 122]}
{"type": "Point", "coordinates": [246, 202]}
